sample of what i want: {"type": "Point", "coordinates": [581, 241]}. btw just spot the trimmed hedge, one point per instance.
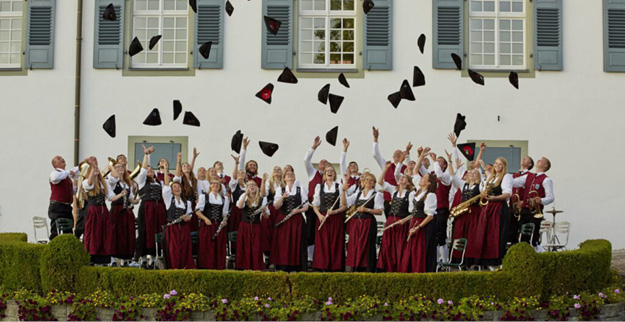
{"type": "Point", "coordinates": [225, 284]}
{"type": "Point", "coordinates": [18, 237]}
{"type": "Point", "coordinates": [61, 261]}
{"type": "Point", "coordinates": [585, 269]}
{"type": "Point", "coordinates": [19, 264]}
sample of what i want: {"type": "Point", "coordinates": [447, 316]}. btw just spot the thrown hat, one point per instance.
{"type": "Point", "coordinates": [395, 99]}
{"type": "Point", "coordinates": [331, 135]}
{"type": "Point", "coordinates": [154, 118]}
{"type": "Point", "coordinates": [421, 42]}
{"type": "Point", "coordinates": [418, 78]}
{"type": "Point", "coordinates": [109, 126]}
{"type": "Point", "coordinates": [135, 47]}
{"type": "Point", "coordinates": [177, 109]}
{"type": "Point", "coordinates": [514, 79]}
{"type": "Point", "coordinates": [287, 76]}
{"type": "Point", "coordinates": [322, 96]}
{"type": "Point", "coordinates": [468, 150]}
{"type": "Point", "coordinates": [193, 5]}
{"type": "Point", "coordinates": [367, 5]}
{"type": "Point", "coordinates": [476, 77]}
{"type": "Point", "coordinates": [405, 91]}
{"type": "Point", "coordinates": [154, 40]}
{"type": "Point", "coordinates": [205, 49]}
{"type": "Point", "coordinates": [457, 60]}
{"type": "Point", "coordinates": [335, 102]}
{"type": "Point", "coordinates": [109, 13]}
{"type": "Point", "coordinates": [268, 148]}
{"type": "Point", "coordinates": [235, 143]}
{"type": "Point", "coordinates": [272, 24]}
{"type": "Point", "coordinates": [460, 124]}
{"type": "Point", "coordinates": [343, 80]}
{"type": "Point", "coordinates": [229, 8]}
{"type": "Point", "coordinates": [265, 93]}
{"type": "Point", "coordinates": [190, 119]}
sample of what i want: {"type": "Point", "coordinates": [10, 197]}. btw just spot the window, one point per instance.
{"type": "Point", "coordinates": [166, 147]}
{"type": "Point", "coordinates": [10, 33]}
{"type": "Point", "coordinates": [497, 34]}
{"type": "Point", "coordinates": [327, 34]}
{"type": "Point", "coordinates": [169, 18]}
{"type": "Point", "coordinates": [512, 151]}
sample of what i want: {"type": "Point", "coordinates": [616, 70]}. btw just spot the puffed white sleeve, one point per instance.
{"type": "Point", "coordinates": [411, 197]}
{"type": "Point", "coordinates": [142, 177]}
{"type": "Point", "coordinates": [233, 184]}
{"type": "Point", "coordinates": [415, 179]}
{"type": "Point", "coordinates": [316, 198]}
{"type": "Point", "coordinates": [201, 202]}
{"type": "Point", "coordinates": [189, 209]}
{"type": "Point", "coordinates": [430, 204]}
{"type": "Point", "coordinates": [389, 188]}
{"type": "Point", "coordinates": [506, 184]}
{"type": "Point", "coordinates": [549, 197]}
{"type": "Point", "coordinates": [351, 200]}
{"type": "Point", "coordinates": [57, 176]}
{"type": "Point", "coordinates": [177, 179]}
{"type": "Point", "coordinates": [109, 192]}
{"type": "Point", "coordinates": [310, 170]}
{"type": "Point", "coordinates": [86, 186]}
{"type": "Point", "coordinates": [167, 196]}
{"type": "Point", "coordinates": [112, 181]}
{"type": "Point", "coordinates": [303, 194]}
{"type": "Point", "coordinates": [278, 195]}
{"type": "Point", "coordinates": [226, 206]}
{"type": "Point", "coordinates": [379, 201]}
{"type": "Point", "coordinates": [242, 198]}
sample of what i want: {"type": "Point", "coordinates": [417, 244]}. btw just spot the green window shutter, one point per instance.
{"type": "Point", "coordinates": [277, 50]}
{"type": "Point", "coordinates": [548, 35]}
{"type": "Point", "coordinates": [614, 35]}
{"type": "Point", "coordinates": [378, 48]}
{"type": "Point", "coordinates": [447, 33]}
{"type": "Point", "coordinates": [209, 26]}
{"type": "Point", "coordinates": [40, 34]}
{"type": "Point", "coordinates": [108, 41]}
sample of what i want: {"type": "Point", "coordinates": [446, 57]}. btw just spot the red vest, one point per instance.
{"type": "Point", "coordinates": [353, 181]}
{"type": "Point", "coordinates": [390, 178]}
{"type": "Point", "coordinates": [256, 179]}
{"type": "Point", "coordinates": [519, 191]}
{"type": "Point", "coordinates": [317, 179]}
{"type": "Point", "coordinates": [62, 191]}
{"type": "Point", "coordinates": [458, 196]}
{"type": "Point", "coordinates": [160, 176]}
{"type": "Point", "coordinates": [442, 195]}
{"type": "Point", "coordinates": [534, 183]}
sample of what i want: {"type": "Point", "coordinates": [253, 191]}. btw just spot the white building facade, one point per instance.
{"type": "Point", "coordinates": [569, 55]}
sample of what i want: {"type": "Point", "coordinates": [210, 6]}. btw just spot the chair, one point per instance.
{"type": "Point", "coordinates": [560, 229]}
{"type": "Point", "coordinates": [546, 228]}
{"type": "Point", "coordinates": [41, 223]}
{"type": "Point", "coordinates": [64, 226]}
{"type": "Point", "coordinates": [527, 230]}
{"type": "Point", "coordinates": [378, 237]}
{"type": "Point", "coordinates": [459, 245]}
{"type": "Point", "coordinates": [231, 255]}
{"type": "Point", "coordinates": [159, 260]}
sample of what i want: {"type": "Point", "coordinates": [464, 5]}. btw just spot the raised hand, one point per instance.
{"type": "Point", "coordinates": [316, 143]}
{"type": "Point", "coordinates": [409, 147]}
{"type": "Point", "coordinates": [195, 153]}
{"type": "Point", "coordinates": [420, 150]}
{"type": "Point", "coordinates": [265, 176]}
{"type": "Point", "coordinates": [376, 133]}
{"type": "Point", "coordinates": [345, 144]}
{"type": "Point", "coordinates": [246, 142]}
{"type": "Point", "coordinates": [388, 163]}
{"type": "Point", "coordinates": [178, 157]}
{"type": "Point", "coordinates": [453, 139]}
{"type": "Point", "coordinates": [448, 155]}
{"type": "Point", "coordinates": [236, 158]}
{"type": "Point", "coordinates": [432, 156]}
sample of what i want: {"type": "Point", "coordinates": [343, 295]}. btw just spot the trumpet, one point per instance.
{"type": "Point", "coordinates": [83, 167]}
{"type": "Point", "coordinates": [535, 208]}
{"type": "Point", "coordinates": [516, 210]}
{"type": "Point", "coordinates": [106, 171]}
{"type": "Point", "coordinates": [136, 171]}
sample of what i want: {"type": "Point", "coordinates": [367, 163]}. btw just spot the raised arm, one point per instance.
{"type": "Point", "coordinates": [246, 142]}
{"type": "Point", "coordinates": [479, 156]}
{"type": "Point", "coordinates": [195, 154]}
{"type": "Point", "coordinates": [376, 149]}
{"type": "Point", "coordinates": [384, 171]}
{"type": "Point", "coordinates": [178, 166]}
{"type": "Point", "coordinates": [235, 172]}
{"type": "Point", "coordinates": [310, 170]}
{"type": "Point", "coordinates": [343, 160]}
{"type": "Point", "coordinates": [263, 186]}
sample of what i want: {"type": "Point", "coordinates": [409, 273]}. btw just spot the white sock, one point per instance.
{"type": "Point", "coordinates": [311, 252]}
{"type": "Point", "coordinates": [492, 268]}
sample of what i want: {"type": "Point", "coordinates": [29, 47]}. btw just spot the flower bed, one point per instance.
{"type": "Point", "coordinates": [608, 304]}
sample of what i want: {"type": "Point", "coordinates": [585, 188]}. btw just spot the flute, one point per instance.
{"type": "Point", "coordinates": [221, 226]}
{"type": "Point", "coordinates": [291, 214]}
{"type": "Point", "coordinates": [326, 217]}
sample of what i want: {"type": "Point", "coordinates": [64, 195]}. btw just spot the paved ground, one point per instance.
{"type": "Point", "coordinates": [618, 260]}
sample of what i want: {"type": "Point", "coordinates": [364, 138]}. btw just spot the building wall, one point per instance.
{"type": "Point", "coordinates": [571, 116]}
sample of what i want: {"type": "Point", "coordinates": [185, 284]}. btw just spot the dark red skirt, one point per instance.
{"type": "Point", "coordinates": [155, 219]}
{"type": "Point", "coordinates": [361, 244]}
{"type": "Point", "coordinates": [287, 241]}
{"type": "Point", "coordinates": [194, 222]}
{"type": "Point", "coordinates": [393, 243]}
{"type": "Point", "coordinates": [98, 238]}
{"type": "Point", "coordinates": [212, 253]}
{"type": "Point", "coordinates": [249, 251]}
{"type": "Point", "coordinates": [413, 259]}
{"type": "Point", "coordinates": [123, 231]}
{"type": "Point", "coordinates": [266, 226]}
{"type": "Point", "coordinates": [179, 247]}
{"type": "Point", "coordinates": [490, 236]}
{"type": "Point", "coordinates": [330, 244]}
{"type": "Point", "coordinates": [234, 219]}
{"type": "Point", "coordinates": [469, 231]}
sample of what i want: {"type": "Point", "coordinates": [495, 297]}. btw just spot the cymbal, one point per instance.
{"type": "Point", "coordinates": [553, 211]}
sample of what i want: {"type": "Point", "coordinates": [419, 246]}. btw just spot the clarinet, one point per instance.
{"type": "Point", "coordinates": [291, 214]}
{"type": "Point", "coordinates": [221, 226]}
{"type": "Point", "coordinates": [323, 221]}
{"type": "Point", "coordinates": [175, 221]}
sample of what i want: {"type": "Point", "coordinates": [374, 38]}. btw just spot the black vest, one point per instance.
{"type": "Point", "coordinates": [97, 200]}
{"type": "Point", "coordinates": [214, 212]}
{"type": "Point", "coordinates": [399, 206]}
{"type": "Point", "coordinates": [419, 207]}
{"type": "Point", "coordinates": [291, 202]}
{"type": "Point", "coordinates": [174, 212]}
{"type": "Point", "coordinates": [468, 192]}
{"type": "Point", "coordinates": [151, 191]}
{"type": "Point", "coordinates": [248, 213]}
{"type": "Point", "coordinates": [237, 193]}
{"type": "Point", "coordinates": [117, 190]}
{"type": "Point", "coordinates": [326, 200]}
{"type": "Point", "coordinates": [364, 203]}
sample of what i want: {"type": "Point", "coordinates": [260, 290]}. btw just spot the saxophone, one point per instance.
{"type": "Point", "coordinates": [463, 207]}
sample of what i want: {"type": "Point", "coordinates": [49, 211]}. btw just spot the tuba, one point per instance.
{"type": "Point", "coordinates": [106, 171]}
{"type": "Point", "coordinates": [136, 171]}
{"type": "Point", "coordinates": [534, 207]}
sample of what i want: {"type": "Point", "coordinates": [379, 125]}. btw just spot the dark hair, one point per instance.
{"type": "Point", "coordinates": [182, 196]}
{"type": "Point", "coordinates": [532, 163]}
{"type": "Point", "coordinates": [548, 164]}
{"type": "Point", "coordinates": [446, 164]}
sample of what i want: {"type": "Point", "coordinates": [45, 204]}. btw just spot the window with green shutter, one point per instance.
{"type": "Point", "coordinates": [209, 22]}
{"type": "Point", "coordinates": [40, 34]}
{"type": "Point", "coordinates": [614, 35]}
{"type": "Point", "coordinates": [108, 44]}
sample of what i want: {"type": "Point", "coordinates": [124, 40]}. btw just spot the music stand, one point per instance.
{"type": "Point", "coordinates": [554, 236]}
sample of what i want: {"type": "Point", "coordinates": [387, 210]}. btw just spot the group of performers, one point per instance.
{"type": "Point", "coordinates": [330, 222]}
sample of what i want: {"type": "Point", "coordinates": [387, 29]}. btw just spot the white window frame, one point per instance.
{"type": "Point", "coordinates": [161, 14]}
{"type": "Point", "coordinates": [328, 14]}
{"type": "Point", "coordinates": [497, 15]}
{"type": "Point", "coordinates": [11, 16]}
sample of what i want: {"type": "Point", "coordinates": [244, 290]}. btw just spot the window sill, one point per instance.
{"type": "Point", "coordinates": [314, 70]}
{"type": "Point", "coordinates": [501, 70]}
{"type": "Point", "coordinates": [164, 69]}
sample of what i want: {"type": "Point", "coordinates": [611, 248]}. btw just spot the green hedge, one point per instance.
{"type": "Point", "coordinates": [62, 265]}
{"type": "Point", "coordinates": [224, 284]}
{"type": "Point", "coordinates": [585, 269]}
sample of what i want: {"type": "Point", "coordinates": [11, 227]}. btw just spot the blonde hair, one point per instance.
{"type": "Point", "coordinates": [325, 170]}
{"type": "Point", "coordinates": [100, 187]}
{"type": "Point", "coordinates": [493, 172]}
{"type": "Point", "coordinates": [254, 200]}
{"type": "Point", "coordinates": [272, 180]}
{"type": "Point", "coordinates": [220, 188]}
{"type": "Point", "coordinates": [477, 173]}
{"type": "Point", "coordinates": [367, 175]}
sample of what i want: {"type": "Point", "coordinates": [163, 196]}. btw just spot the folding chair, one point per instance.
{"type": "Point", "coordinates": [560, 229]}
{"type": "Point", "coordinates": [459, 245]}
{"type": "Point", "coordinates": [527, 230]}
{"type": "Point", "coordinates": [64, 226]}
{"type": "Point", "coordinates": [41, 223]}
{"type": "Point", "coordinates": [231, 256]}
{"type": "Point", "coordinates": [378, 237]}
{"type": "Point", "coordinates": [160, 261]}
{"type": "Point", "coordinates": [546, 227]}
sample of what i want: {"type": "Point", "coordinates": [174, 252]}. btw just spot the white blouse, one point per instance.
{"type": "Point", "coordinates": [292, 192]}
{"type": "Point", "coordinates": [378, 199]}
{"type": "Point", "coordinates": [213, 199]}
{"type": "Point", "coordinates": [167, 197]}
{"type": "Point", "coordinates": [112, 182]}
{"type": "Point", "coordinates": [430, 203]}
{"type": "Point", "coordinates": [110, 194]}
{"type": "Point", "coordinates": [316, 196]}
{"type": "Point", "coordinates": [244, 198]}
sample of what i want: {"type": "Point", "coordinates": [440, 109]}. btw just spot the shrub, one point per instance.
{"type": "Point", "coordinates": [60, 263]}
{"type": "Point", "coordinates": [19, 265]}
{"type": "Point", "coordinates": [17, 237]}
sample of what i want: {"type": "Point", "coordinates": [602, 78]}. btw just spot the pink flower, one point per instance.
{"type": "Point", "coordinates": [224, 301]}
{"type": "Point", "coordinates": [450, 302]}
{"type": "Point", "coordinates": [577, 305]}
{"type": "Point", "coordinates": [385, 304]}
{"type": "Point", "coordinates": [166, 296]}
{"type": "Point", "coordinates": [601, 295]}
{"type": "Point", "coordinates": [576, 297]}
{"type": "Point", "coordinates": [617, 291]}
{"type": "Point", "coordinates": [440, 301]}
{"type": "Point", "coordinates": [267, 305]}
{"type": "Point", "coordinates": [269, 299]}
{"type": "Point", "coordinates": [173, 292]}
